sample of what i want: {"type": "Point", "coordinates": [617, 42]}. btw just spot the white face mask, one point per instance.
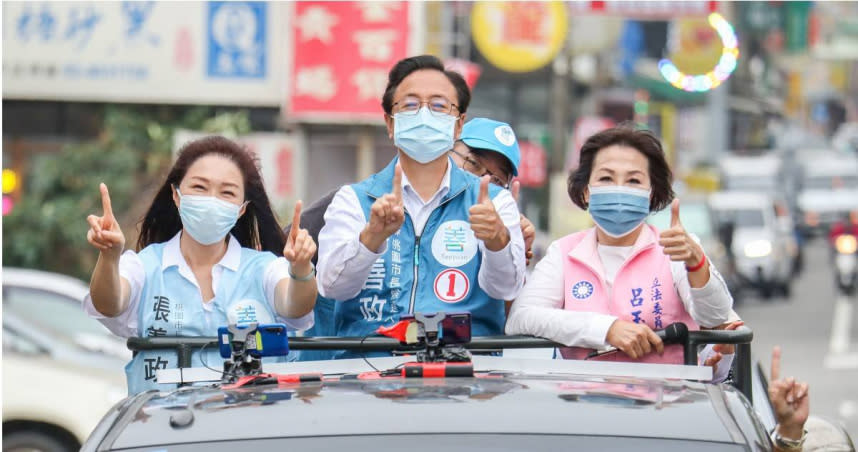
{"type": "Point", "coordinates": [424, 136]}
{"type": "Point", "coordinates": [207, 218]}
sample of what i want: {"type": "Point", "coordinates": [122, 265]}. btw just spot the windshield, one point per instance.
{"type": "Point", "coordinates": [831, 182]}
{"type": "Point", "coordinates": [66, 318]}
{"type": "Point", "coordinates": [749, 183]}
{"type": "Point", "coordinates": [454, 443]}
{"type": "Point", "coordinates": [743, 218]}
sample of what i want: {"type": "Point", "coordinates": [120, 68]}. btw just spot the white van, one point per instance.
{"type": "Point", "coordinates": [762, 248]}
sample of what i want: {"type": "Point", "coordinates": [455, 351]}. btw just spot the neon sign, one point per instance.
{"type": "Point", "coordinates": [726, 64]}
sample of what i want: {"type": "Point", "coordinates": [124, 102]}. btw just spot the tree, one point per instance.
{"type": "Point", "coordinates": [47, 228]}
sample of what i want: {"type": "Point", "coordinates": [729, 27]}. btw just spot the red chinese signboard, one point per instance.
{"type": "Point", "coordinates": [341, 54]}
{"type": "Point", "coordinates": [533, 169]}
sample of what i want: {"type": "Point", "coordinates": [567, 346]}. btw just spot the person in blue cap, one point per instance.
{"type": "Point", "coordinates": [489, 148]}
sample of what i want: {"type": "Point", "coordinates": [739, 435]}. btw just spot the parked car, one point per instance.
{"type": "Point", "coordinates": [51, 404]}
{"type": "Point", "coordinates": [764, 249]}
{"type": "Point", "coordinates": [61, 369]}
{"type": "Point", "coordinates": [52, 302]}
{"type": "Point", "coordinates": [829, 189]}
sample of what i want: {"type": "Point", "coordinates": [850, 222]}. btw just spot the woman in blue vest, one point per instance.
{"type": "Point", "coordinates": [208, 255]}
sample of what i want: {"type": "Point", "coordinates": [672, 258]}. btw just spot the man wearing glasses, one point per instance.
{"type": "Point", "coordinates": [489, 148]}
{"type": "Point", "coordinates": [422, 234]}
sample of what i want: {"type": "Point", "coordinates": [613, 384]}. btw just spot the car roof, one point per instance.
{"type": "Point", "coordinates": [37, 279]}
{"type": "Point", "coordinates": [503, 403]}
{"type": "Point", "coordinates": [738, 165]}
{"type": "Point", "coordinates": [732, 200]}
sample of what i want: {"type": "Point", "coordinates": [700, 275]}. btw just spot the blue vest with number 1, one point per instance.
{"type": "Point", "coordinates": [170, 305]}
{"type": "Point", "coordinates": [436, 270]}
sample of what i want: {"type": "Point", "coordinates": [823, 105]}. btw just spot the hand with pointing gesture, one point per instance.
{"type": "Point", "coordinates": [300, 247]}
{"type": "Point", "coordinates": [386, 215]}
{"type": "Point", "coordinates": [104, 232]}
{"type": "Point", "coordinates": [789, 400]}
{"type": "Point", "coordinates": [678, 245]}
{"type": "Point", "coordinates": [528, 231]}
{"type": "Point", "coordinates": [485, 221]}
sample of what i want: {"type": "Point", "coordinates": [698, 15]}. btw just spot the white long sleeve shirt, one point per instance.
{"type": "Point", "coordinates": [345, 263]}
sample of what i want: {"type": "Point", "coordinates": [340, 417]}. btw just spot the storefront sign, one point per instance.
{"type": "Point", "coordinates": [153, 52]}
{"type": "Point", "coordinates": [519, 36]}
{"type": "Point", "coordinates": [341, 55]}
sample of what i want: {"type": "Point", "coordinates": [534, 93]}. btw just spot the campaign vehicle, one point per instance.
{"type": "Point", "coordinates": [441, 397]}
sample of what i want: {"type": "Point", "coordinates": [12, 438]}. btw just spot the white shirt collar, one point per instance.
{"type": "Point", "coordinates": [442, 189]}
{"type": "Point", "coordinates": [173, 254]}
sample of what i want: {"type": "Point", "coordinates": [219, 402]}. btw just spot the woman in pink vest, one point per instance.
{"type": "Point", "coordinates": [613, 284]}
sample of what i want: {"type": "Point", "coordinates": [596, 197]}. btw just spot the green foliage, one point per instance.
{"type": "Point", "coordinates": [47, 228]}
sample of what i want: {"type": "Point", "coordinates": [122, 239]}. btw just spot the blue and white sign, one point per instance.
{"type": "Point", "coordinates": [221, 53]}
{"type": "Point", "coordinates": [237, 39]}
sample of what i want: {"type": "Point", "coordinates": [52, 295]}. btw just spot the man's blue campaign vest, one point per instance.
{"type": "Point", "coordinates": [436, 270]}
{"type": "Point", "coordinates": [172, 306]}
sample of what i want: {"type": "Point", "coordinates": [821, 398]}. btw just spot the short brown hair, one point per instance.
{"type": "Point", "coordinates": [643, 141]}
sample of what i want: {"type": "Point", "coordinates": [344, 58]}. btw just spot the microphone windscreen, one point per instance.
{"type": "Point", "coordinates": [675, 333]}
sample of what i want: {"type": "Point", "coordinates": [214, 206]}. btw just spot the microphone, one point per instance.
{"type": "Point", "coordinates": [675, 333]}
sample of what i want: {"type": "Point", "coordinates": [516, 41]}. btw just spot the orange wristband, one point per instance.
{"type": "Point", "coordinates": [698, 266]}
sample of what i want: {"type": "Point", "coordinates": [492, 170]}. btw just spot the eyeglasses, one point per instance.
{"type": "Point", "coordinates": [474, 167]}
{"type": "Point", "coordinates": [410, 105]}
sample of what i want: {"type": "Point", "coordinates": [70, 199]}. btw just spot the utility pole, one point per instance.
{"type": "Point", "coordinates": [560, 101]}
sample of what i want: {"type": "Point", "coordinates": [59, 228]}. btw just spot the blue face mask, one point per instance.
{"type": "Point", "coordinates": [618, 210]}
{"type": "Point", "coordinates": [206, 218]}
{"type": "Point", "coordinates": [423, 136]}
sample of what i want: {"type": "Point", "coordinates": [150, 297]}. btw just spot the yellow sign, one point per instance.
{"type": "Point", "coordinates": [519, 36]}
{"type": "Point", "coordinates": [699, 46]}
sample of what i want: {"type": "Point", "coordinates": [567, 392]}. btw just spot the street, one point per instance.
{"type": "Point", "coordinates": [816, 330]}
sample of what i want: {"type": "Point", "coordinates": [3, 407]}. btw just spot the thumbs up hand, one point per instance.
{"type": "Point", "coordinates": [104, 232]}
{"type": "Point", "coordinates": [386, 215]}
{"type": "Point", "coordinates": [678, 245]}
{"type": "Point", "coordinates": [485, 221]}
{"type": "Point", "coordinates": [528, 231]}
{"type": "Point", "coordinates": [300, 247]}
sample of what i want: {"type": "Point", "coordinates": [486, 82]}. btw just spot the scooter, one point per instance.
{"type": "Point", "coordinates": [846, 263]}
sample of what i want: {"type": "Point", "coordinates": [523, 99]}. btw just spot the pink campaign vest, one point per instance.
{"type": "Point", "coordinates": [643, 290]}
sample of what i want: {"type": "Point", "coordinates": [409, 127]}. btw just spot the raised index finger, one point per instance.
{"type": "Point", "coordinates": [296, 221]}
{"type": "Point", "coordinates": [776, 364]}
{"type": "Point", "coordinates": [105, 200]}
{"type": "Point", "coordinates": [397, 182]}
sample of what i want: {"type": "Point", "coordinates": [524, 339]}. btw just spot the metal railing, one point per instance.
{"type": "Point", "coordinates": [740, 337]}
